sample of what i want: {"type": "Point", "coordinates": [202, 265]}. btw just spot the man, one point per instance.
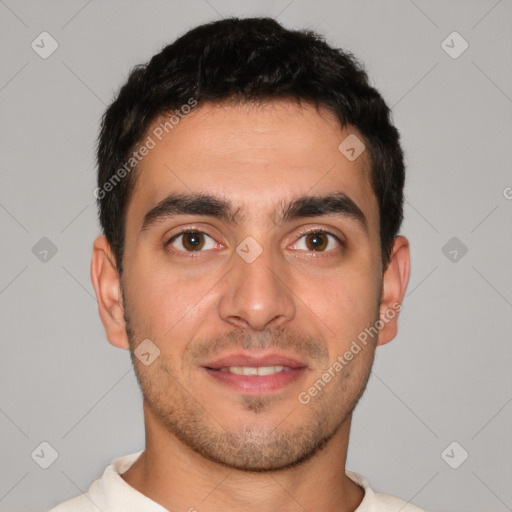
{"type": "Point", "coordinates": [250, 188]}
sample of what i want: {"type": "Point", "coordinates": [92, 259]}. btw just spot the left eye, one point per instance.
{"type": "Point", "coordinates": [192, 241]}
{"type": "Point", "coordinates": [317, 241]}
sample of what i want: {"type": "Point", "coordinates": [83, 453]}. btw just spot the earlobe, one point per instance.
{"type": "Point", "coordinates": [107, 286]}
{"type": "Point", "coordinates": [394, 286]}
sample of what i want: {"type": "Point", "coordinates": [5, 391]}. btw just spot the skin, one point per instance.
{"type": "Point", "coordinates": [208, 446]}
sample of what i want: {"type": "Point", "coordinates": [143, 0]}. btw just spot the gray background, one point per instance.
{"type": "Point", "coordinates": [445, 378]}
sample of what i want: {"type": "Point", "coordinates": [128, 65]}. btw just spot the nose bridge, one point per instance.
{"type": "Point", "coordinates": [256, 294]}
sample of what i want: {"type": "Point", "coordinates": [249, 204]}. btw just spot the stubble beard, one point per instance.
{"type": "Point", "coordinates": [256, 447]}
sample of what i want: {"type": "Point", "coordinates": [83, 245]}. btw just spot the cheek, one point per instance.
{"type": "Point", "coordinates": [347, 303]}
{"type": "Point", "coordinates": [165, 301]}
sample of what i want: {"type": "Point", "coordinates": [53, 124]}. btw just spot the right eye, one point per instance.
{"type": "Point", "coordinates": [192, 241]}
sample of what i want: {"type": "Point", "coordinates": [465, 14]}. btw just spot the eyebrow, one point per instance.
{"type": "Point", "coordinates": [337, 203]}
{"type": "Point", "coordinates": [190, 204]}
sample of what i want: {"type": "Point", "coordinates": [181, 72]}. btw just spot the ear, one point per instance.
{"type": "Point", "coordinates": [394, 285]}
{"type": "Point", "coordinates": [107, 285]}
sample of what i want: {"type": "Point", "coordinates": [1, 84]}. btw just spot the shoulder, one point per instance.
{"type": "Point", "coordinates": [108, 489]}
{"type": "Point", "coordinates": [79, 504]}
{"type": "Point", "coordinates": [392, 504]}
{"type": "Point", "coordinates": [378, 502]}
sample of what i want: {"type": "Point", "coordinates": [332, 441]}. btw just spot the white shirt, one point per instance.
{"type": "Point", "coordinates": [111, 493]}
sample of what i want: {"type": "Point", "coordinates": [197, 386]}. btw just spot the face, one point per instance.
{"type": "Point", "coordinates": [252, 262]}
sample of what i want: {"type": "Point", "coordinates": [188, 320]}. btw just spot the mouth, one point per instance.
{"type": "Point", "coordinates": [256, 374]}
{"type": "Point", "coordinates": [255, 370]}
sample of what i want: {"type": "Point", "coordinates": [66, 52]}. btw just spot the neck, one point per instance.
{"type": "Point", "coordinates": [174, 476]}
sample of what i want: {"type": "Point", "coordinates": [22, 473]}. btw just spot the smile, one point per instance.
{"type": "Point", "coordinates": [255, 370]}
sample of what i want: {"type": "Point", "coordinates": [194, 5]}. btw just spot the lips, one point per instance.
{"type": "Point", "coordinates": [255, 374]}
{"type": "Point", "coordinates": [256, 361]}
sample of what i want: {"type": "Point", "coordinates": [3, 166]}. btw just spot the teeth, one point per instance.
{"type": "Point", "coordinates": [269, 370]}
{"type": "Point", "coordinates": [252, 370]}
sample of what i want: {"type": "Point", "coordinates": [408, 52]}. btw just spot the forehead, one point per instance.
{"type": "Point", "coordinates": [255, 155]}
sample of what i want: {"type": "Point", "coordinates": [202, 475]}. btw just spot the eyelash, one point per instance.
{"type": "Point", "coordinates": [185, 254]}
{"type": "Point", "coordinates": [310, 231]}
{"type": "Point", "coordinates": [192, 254]}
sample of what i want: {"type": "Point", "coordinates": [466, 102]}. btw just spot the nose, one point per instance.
{"type": "Point", "coordinates": [256, 294]}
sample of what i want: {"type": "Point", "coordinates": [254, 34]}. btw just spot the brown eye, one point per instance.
{"type": "Point", "coordinates": [192, 241]}
{"type": "Point", "coordinates": [316, 241]}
